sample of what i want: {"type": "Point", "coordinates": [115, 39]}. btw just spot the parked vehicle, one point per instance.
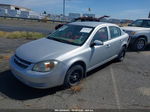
{"type": "Point", "coordinates": [81, 19]}
{"type": "Point", "coordinates": [139, 32]}
{"type": "Point", "coordinates": [66, 55]}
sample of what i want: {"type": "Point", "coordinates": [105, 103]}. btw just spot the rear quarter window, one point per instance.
{"type": "Point", "coordinates": [114, 32]}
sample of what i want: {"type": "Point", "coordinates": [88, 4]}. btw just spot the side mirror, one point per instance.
{"type": "Point", "coordinates": [96, 43]}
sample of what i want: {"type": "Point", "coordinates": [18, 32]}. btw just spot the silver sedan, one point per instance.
{"type": "Point", "coordinates": [66, 55]}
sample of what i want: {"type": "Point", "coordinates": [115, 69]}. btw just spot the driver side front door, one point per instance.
{"type": "Point", "coordinates": [100, 53]}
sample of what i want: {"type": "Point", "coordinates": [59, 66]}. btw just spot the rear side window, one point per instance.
{"type": "Point", "coordinates": [146, 24]}
{"type": "Point", "coordinates": [114, 31]}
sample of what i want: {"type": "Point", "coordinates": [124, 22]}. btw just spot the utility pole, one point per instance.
{"type": "Point", "coordinates": [64, 3]}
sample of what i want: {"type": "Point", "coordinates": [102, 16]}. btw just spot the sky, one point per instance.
{"type": "Point", "coordinates": [121, 9]}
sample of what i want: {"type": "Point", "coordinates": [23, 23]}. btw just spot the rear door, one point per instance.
{"type": "Point", "coordinates": [116, 40]}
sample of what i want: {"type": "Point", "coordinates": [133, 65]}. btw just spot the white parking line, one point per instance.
{"type": "Point", "coordinates": [115, 88]}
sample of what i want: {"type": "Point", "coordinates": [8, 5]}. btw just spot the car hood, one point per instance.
{"type": "Point", "coordinates": [43, 49]}
{"type": "Point", "coordinates": [134, 28]}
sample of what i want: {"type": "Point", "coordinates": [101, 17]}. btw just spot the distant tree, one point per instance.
{"type": "Point", "coordinates": [149, 15]}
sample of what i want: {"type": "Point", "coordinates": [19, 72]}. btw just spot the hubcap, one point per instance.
{"type": "Point", "coordinates": [141, 44]}
{"type": "Point", "coordinates": [75, 77]}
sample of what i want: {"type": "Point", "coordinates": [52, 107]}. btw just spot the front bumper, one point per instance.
{"type": "Point", "coordinates": [132, 40]}
{"type": "Point", "coordinates": [37, 79]}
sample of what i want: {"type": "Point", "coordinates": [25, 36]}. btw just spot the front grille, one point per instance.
{"type": "Point", "coordinates": [21, 62]}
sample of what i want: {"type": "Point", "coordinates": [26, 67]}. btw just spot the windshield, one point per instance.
{"type": "Point", "coordinates": [72, 34]}
{"type": "Point", "coordinates": [141, 23]}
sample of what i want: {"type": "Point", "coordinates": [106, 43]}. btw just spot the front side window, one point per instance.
{"type": "Point", "coordinates": [114, 31]}
{"type": "Point", "coordinates": [72, 34]}
{"type": "Point", "coordinates": [101, 35]}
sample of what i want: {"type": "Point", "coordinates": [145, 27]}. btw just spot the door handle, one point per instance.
{"type": "Point", "coordinates": [108, 45]}
{"type": "Point", "coordinates": [121, 40]}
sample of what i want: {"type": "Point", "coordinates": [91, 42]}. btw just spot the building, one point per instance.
{"type": "Point", "coordinates": [13, 7]}
{"type": "Point", "coordinates": [89, 15]}
{"type": "Point", "coordinates": [17, 11]}
{"type": "Point", "coordinates": [24, 14]}
{"type": "Point", "coordinates": [11, 13]}
{"type": "Point", "coordinates": [14, 11]}
{"type": "Point", "coordinates": [2, 12]}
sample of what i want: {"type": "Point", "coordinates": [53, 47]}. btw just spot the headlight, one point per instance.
{"type": "Point", "coordinates": [132, 33]}
{"type": "Point", "coordinates": [44, 66]}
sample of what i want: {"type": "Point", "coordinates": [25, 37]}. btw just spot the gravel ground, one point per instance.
{"type": "Point", "coordinates": [123, 85]}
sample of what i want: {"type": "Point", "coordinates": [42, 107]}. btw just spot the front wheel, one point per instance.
{"type": "Point", "coordinates": [74, 75]}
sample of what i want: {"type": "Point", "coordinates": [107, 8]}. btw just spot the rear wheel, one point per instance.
{"type": "Point", "coordinates": [74, 75]}
{"type": "Point", "coordinates": [121, 54]}
{"type": "Point", "coordinates": [139, 44]}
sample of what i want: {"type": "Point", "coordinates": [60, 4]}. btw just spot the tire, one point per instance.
{"type": "Point", "coordinates": [121, 54]}
{"type": "Point", "coordinates": [139, 44]}
{"type": "Point", "coordinates": [74, 76]}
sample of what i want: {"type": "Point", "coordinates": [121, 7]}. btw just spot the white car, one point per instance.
{"type": "Point", "coordinates": [139, 32]}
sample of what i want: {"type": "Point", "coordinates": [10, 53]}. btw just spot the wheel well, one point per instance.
{"type": "Point", "coordinates": [80, 63]}
{"type": "Point", "coordinates": [124, 46]}
{"type": "Point", "coordinates": [142, 36]}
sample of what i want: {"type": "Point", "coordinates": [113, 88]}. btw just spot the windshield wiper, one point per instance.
{"type": "Point", "coordinates": [59, 40]}
{"type": "Point", "coordinates": [63, 41]}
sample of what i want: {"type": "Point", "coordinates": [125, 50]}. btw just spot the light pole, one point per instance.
{"type": "Point", "coordinates": [64, 7]}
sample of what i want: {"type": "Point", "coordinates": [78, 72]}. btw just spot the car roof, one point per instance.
{"type": "Point", "coordinates": [89, 24]}
{"type": "Point", "coordinates": [144, 18]}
